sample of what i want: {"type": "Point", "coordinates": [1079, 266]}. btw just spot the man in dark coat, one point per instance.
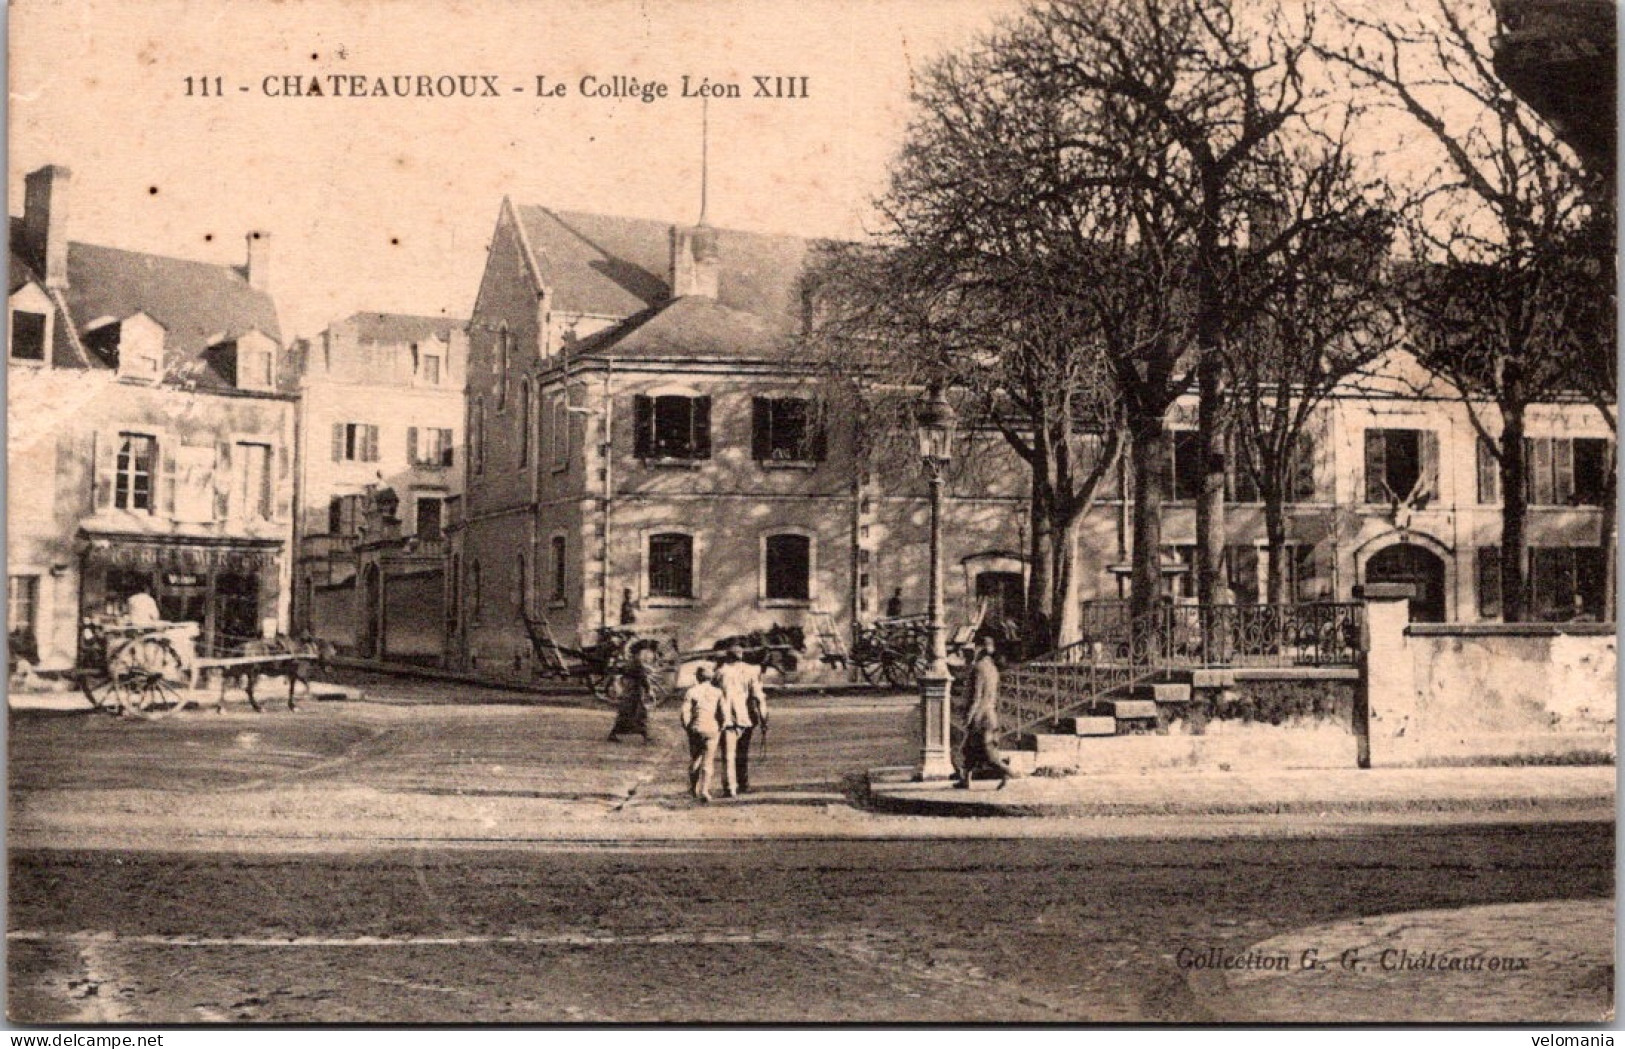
{"type": "Point", "coordinates": [981, 753]}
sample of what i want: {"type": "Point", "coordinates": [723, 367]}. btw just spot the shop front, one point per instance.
{"type": "Point", "coordinates": [228, 587]}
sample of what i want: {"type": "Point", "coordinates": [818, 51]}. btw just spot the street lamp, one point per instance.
{"type": "Point", "coordinates": [935, 423]}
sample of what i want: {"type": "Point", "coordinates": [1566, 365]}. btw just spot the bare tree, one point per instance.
{"type": "Point", "coordinates": [1497, 297]}
{"type": "Point", "coordinates": [1327, 316]}
{"type": "Point", "coordinates": [1196, 97]}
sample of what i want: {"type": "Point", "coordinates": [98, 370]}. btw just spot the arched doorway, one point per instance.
{"type": "Point", "coordinates": [1418, 567]}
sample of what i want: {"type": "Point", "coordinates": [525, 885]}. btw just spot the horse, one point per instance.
{"type": "Point", "coordinates": [774, 648]}
{"type": "Point", "coordinates": [298, 658]}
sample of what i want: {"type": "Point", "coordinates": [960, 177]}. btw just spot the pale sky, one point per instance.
{"type": "Point", "coordinates": [388, 203]}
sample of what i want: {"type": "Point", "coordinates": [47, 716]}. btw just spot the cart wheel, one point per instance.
{"type": "Point", "coordinates": [155, 655]}
{"type": "Point", "coordinates": [867, 671]}
{"type": "Point", "coordinates": [104, 691]}
{"type": "Point", "coordinates": [158, 698]}
{"type": "Point", "coordinates": [895, 672]}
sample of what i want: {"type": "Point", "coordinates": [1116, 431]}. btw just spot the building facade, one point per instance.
{"type": "Point", "coordinates": [381, 411]}
{"type": "Point", "coordinates": [646, 443]}
{"type": "Point", "coordinates": [151, 437]}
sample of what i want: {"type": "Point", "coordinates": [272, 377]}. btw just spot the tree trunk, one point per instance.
{"type": "Point", "coordinates": [1605, 535]}
{"type": "Point", "coordinates": [1066, 613]}
{"type": "Point", "coordinates": [1275, 536]}
{"type": "Point", "coordinates": [1514, 519]}
{"type": "Point", "coordinates": [1040, 556]}
{"type": "Point", "coordinates": [1150, 469]}
{"type": "Point", "coordinates": [1210, 530]}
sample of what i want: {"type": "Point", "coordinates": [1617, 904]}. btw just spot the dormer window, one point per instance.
{"type": "Point", "coordinates": [249, 359]}
{"type": "Point", "coordinates": [134, 345]}
{"type": "Point", "coordinates": [27, 336]}
{"type": "Point", "coordinates": [31, 313]}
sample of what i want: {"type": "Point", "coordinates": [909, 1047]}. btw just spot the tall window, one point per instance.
{"type": "Point", "coordinates": [787, 567]}
{"type": "Point", "coordinates": [355, 443]}
{"type": "Point", "coordinates": [504, 356]}
{"type": "Point", "coordinates": [251, 488]}
{"type": "Point", "coordinates": [560, 439]}
{"type": "Point", "coordinates": [429, 445]}
{"type": "Point", "coordinates": [785, 429]}
{"type": "Point", "coordinates": [521, 585]}
{"type": "Point", "coordinates": [1185, 465]}
{"type": "Point", "coordinates": [132, 487]}
{"type": "Point", "coordinates": [454, 598]}
{"type": "Point", "coordinates": [1487, 577]}
{"type": "Point", "coordinates": [671, 565]}
{"type": "Point", "coordinates": [343, 515]}
{"type": "Point", "coordinates": [429, 516]}
{"type": "Point", "coordinates": [1557, 574]}
{"type": "Point", "coordinates": [27, 336]}
{"type": "Point", "coordinates": [1489, 487]}
{"type": "Point", "coordinates": [1401, 465]}
{"type": "Point", "coordinates": [477, 438]}
{"type": "Point", "coordinates": [1300, 467]}
{"type": "Point", "coordinates": [557, 551]}
{"type": "Point", "coordinates": [474, 592]}
{"type": "Point", "coordinates": [1241, 573]}
{"type": "Point", "coordinates": [672, 427]}
{"type": "Point", "coordinates": [22, 606]}
{"type": "Point", "coordinates": [1562, 471]}
{"type": "Point", "coordinates": [523, 422]}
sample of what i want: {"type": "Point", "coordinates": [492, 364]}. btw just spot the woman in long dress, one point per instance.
{"type": "Point", "coordinates": [640, 693]}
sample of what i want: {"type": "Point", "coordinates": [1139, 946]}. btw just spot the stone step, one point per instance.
{"type": "Point", "coordinates": [1135, 709]}
{"type": "Point", "coordinates": [1088, 726]}
{"type": "Point", "coordinates": [1163, 692]}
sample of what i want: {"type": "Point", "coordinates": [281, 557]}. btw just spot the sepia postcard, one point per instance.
{"type": "Point", "coordinates": [737, 512]}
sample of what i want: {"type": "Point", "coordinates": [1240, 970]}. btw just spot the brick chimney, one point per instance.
{"type": "Point", "coordinates": [258, 270]}
{"type": "Point", "coordinates": [45, 223]}
{"type": "Point", "coordinates": [694, 263]}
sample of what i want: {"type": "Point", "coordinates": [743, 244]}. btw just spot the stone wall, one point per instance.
{"type": "Point", "coordinates": [1492, 693]}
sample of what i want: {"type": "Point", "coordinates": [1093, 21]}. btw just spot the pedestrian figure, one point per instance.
{"type": "Point", "coordinates": [744, 710]}
{"type": "Point", "coordinates": [640, 692]}
{"type": "Point", "coordinates": [981, 752]}
{"type": "Point", "coordinates": [701, 716]}
{"type": "Point", "coordinates": [629, 607]}
{"type": "Point", "coordinates": [894, 604]}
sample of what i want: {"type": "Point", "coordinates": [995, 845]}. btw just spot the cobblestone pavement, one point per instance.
{"type": "Point", "coordinates": [420, 862]}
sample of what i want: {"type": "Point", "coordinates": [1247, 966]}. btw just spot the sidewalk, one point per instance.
{"type": "Point", "coordinates": [1308, 791]}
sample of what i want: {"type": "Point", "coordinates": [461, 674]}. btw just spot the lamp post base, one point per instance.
{"type": "Point", "coordinates": [935, 761]}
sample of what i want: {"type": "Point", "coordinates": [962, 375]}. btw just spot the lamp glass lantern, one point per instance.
{"type": "Point", "coordinates": [936, 424]}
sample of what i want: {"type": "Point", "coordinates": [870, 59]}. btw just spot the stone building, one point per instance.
{"type": "Point", "coordinates": [643, 434]}
{"type": "Point", "coordinates": [381, 414]}
{"type": "Point", "coordinates": [151, 436]}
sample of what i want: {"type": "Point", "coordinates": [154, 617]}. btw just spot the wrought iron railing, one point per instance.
{"type": "Point", "coordinates": [1117, 652]}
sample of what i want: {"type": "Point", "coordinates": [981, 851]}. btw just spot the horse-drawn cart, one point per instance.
{"type": "Point", "coordinates": [604, 665]}
{"type": "Point", "coordinates": [148, 669]}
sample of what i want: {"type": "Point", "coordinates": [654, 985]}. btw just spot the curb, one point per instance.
{"type": "Point", "coordinates": [884, 796]}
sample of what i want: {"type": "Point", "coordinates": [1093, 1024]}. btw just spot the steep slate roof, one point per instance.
{"type": "Point", "coordinates": [610, 266]}
{"type": "Point", "coordinates": [690, 327]}
{"type": "Point", "coordinates": [196, 302]}
{"type": "Point", "coordinates": [390, 328]}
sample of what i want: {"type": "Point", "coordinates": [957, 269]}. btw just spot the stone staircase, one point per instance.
{"type": "Point", "coordinates": [1097, 735]}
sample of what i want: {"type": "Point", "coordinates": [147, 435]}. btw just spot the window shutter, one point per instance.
{"type": "Point", "coordinates": [223, 481]}
{"type": "Point", "coordinates": [1428, 449]}
{"type": "Point", "coordinates": [700, 427]}
{"type": "Point", "coordinates": [1303, 469]}
{"type": "Point", "coordinates": [1376, 466]}
{"type": "Point", "coordinates": [761, 429]}
{"type": "Point", "coordinates": [1489, 582]}
{"type": "Point", "coordinates": [1538, 470]}
{"type": "Point", "coordinates": [819, 443]}
{"type": "Point", "coordinates": [1489, 475]}
{"type": "Point", "coordinates": [447, 453]}
{"type": "Point", "coordinates": [411, 446]}
{"type": "Point", "coordinates": [338, 442]}
{"type": "Point", "coordinates": [1562, 471]}
{"type": "Point", "coordinates": [643, 426]}
{"type": "Point", "coordinates": [166, 479]}
{"type": "Point", "coordinates": [280, 497]}
{"type": "Point", "coordinates": [372, 444]}
{"type": "Point", "coordinates": [102, 452]}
